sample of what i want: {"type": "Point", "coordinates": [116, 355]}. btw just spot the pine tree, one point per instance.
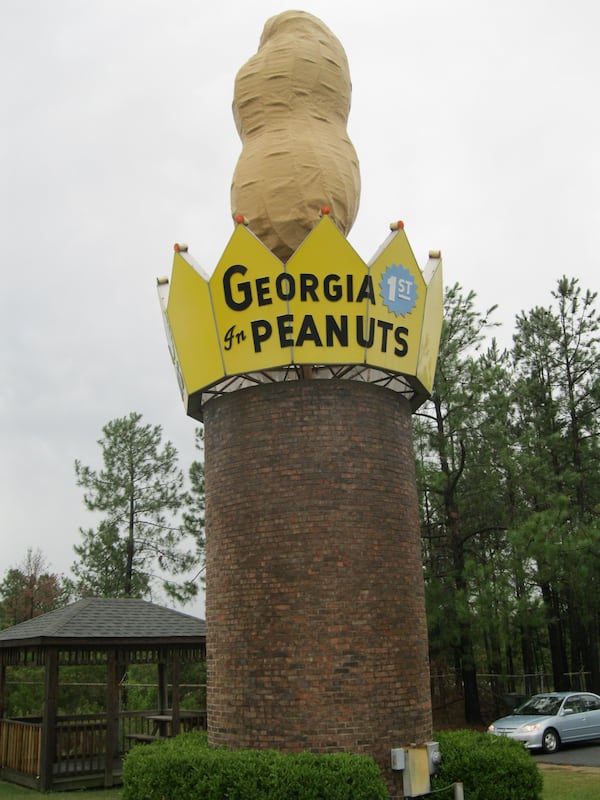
{"type": "Point", "coordinates": [137, 543]}
{"type": "Point", "coordinates": [558, 390]}
{"type": "Point", "coordinates": [443, 430]}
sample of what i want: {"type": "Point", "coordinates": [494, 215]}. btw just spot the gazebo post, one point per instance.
{"type": "Point", "coordinates": [2, 688]}
{"type": "Point", "coordinates": [163, 689]}
{"type": "Point", "coordinates": [112, 712]}
{"type": "Point", "coordinates": [49, 718]}
{"type": "Point", "coordinates": [175, 695]}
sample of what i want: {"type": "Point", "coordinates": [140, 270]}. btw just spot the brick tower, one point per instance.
{"type": "Point", "coordinates": [315, 611]}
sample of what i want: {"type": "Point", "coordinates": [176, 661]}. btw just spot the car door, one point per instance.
{"type": "Point", "coordinates": [572, 722]}
{"type": "Point", "coordinates": [591, 705]}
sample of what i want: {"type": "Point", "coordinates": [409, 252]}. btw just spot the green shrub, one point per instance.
{"type": "Point", "coordinates": [489, 767]}
{"type": "Point", "coordinates": [185, 768]}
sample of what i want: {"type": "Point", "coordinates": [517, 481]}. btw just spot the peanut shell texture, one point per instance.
{"type": "Point", "coordinates": [291, 105]}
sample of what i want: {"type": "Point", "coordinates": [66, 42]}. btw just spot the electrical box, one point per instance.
{"type": "Point", "coordinates": [434, 756]}
{"type": "Point", "coordinates": [416, 772]}
{"type": "Point", "coordinates": [417, 764]}
{"type": "Point", "coordinates": [398, 760]}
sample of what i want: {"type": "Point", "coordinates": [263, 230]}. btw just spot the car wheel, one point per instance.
{"type": "Point", "coordinates": [550, 741]}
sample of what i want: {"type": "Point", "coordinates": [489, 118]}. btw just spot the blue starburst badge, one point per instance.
{"type": "Point", "coordinates": [398, 290]}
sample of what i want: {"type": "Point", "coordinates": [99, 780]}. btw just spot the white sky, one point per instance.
{"type": "Point", "coordinates": [476, 122]}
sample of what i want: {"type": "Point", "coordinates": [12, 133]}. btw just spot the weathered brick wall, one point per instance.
{"type": "Point", "coordinates": [315, 603]}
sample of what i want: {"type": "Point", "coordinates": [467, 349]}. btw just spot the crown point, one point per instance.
{"type": "Point", "coordinates": [180, 248]}
{"type": "Point", "coordinates": [325, 211]}
{"type": "Point", "coordinates": [240, 219]}
{"type": "Point", "coordinates": [397, 226]}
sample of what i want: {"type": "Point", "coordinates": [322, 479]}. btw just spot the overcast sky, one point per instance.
{"type": "Point", "coordinates": [476, 122]}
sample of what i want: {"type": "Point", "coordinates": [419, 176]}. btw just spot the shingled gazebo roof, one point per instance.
{"type": "Point", "coordinates": [105, 622]}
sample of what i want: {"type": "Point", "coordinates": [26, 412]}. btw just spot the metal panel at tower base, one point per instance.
{"type": "Point", "coordinates": [324, 306]}
{"type": "Point", "coordinates": [415, 777]}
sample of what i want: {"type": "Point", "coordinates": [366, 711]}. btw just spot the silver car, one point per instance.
{"type": "Point", "coordinates": [548, 720]}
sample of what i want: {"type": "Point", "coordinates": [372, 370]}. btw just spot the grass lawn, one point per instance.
{"type": "Point", "coordinates": [570, 783]}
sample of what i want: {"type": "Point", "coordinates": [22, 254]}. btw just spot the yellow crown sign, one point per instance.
{"type": "Point", "coordinates": [324, 314]}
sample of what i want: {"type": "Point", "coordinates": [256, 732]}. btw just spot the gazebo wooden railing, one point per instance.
{"type": "Point", "coordinates": [21, 745]}
{"type": "Point", "coordinates": [81, 741]}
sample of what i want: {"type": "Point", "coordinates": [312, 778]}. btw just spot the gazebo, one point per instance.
{"type": "Point", "coordinates": [78, 750]}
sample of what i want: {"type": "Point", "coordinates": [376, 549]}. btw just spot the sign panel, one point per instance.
{"type": "Point", "coordinates": [248, 297]}
{"type": "Point", "coordinates": [324, 307]}
{"type": "Point", "coordinates": [328, 307]}
{"type": "Point", "coordinates": [192, 323]}
{"type": "Point", "coordinates": [397, 311]}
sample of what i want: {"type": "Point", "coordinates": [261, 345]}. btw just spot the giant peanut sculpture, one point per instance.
{"type": "Point", "coordinates": [291, 105]}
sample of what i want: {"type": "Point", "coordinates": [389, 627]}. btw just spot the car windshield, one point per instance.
{"type": "Point", "coordinates": [542, 705]}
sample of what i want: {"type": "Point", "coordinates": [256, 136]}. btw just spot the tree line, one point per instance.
{"type": "Point", "coordinates": [508, 470]}
{"type": "Point", "coordinates": [508, 463]}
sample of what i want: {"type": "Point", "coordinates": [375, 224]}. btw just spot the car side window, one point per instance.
{"type": "Point", "coordinates": [573, 704]}
{"type": "Point", "coordinates": [590, 703]}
